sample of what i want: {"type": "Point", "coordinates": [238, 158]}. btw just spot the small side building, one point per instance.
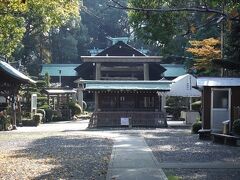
{"type": "Point", "coordinates": [220, 96]}
{"type": "Point", "coordinates": [63, 74]}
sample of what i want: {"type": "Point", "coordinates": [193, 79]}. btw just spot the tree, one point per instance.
{"type": "Point", "coordinates": [11, 25]}
{"type": "Point", "coordinates": [20, 21]}
{"type": "Point", "coordinates": [205, 51]}
{"type": "Point", "coordinates": [102, 21]}
{"type": "Point", "coordinates": [160, 21]}
{"type": "Point", "coordinates": [233, 43]}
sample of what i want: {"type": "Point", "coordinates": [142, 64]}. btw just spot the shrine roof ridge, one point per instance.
{"type": "Point", "coordinates": [121, 59]}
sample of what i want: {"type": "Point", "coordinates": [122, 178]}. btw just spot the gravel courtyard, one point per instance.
{"type": "Point", "coordinates": [66, 150]}
{"type": "Point", "coordinates": [54, 153]}
{"type": "Point", "coordinates": [184, 155]}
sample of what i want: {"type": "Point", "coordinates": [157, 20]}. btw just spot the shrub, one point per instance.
{"type": "Point", "coordinates": [44, 106]}
{"type": "Point", "coordinates": [26, 114]}
{"type": "Point", "coordinates": [28, 122]}
{"type": "Point", "coordinates": [41, 84]}
{"type": "Point", "coordinates": [196, 127]}
{"type": "Point", "coordinates": [37, 119]}
{"type": "Point", "coordinates": [5, 121]}
{"type": "Point", "coordinates": [236, 126]}
{"type": "Point", "coordinates": [49, 114]}
{"type": "Point", "coordinates": [42, 100]}
{"type": "Point", "coordinates": [75, 108]}
{"type": "Point", "coordinates": [58, 118]}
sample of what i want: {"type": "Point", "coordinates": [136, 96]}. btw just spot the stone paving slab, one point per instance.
{"type": "Point", "coordinates": [201, 165]}
{"type": "Point", "coordinates": [132, 159]}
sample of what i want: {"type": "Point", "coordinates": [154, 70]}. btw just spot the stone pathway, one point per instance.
{"type": "Point", "coordinates": [132, 159]}
{"type": "Point", "coordinates": [201, 165]}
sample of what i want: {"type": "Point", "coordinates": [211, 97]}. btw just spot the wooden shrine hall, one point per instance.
{"type": "Point", "coordinates": [125, 93]}
{"type": "Point", "coordinates": [10, 82]}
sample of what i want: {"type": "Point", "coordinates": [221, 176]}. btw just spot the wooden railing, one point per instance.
{"type": "Point", "coordinates": [136, 119]}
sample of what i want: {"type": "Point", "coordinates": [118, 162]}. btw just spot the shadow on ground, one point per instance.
{"type": "Point", "coordinates": [179, 145]}
{"type": "Point", "coordinates": [69, 157]}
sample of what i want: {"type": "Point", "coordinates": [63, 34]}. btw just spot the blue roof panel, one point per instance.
{"type": "Point", "coordinates": [56, 69]}
{"type": "Point", "coordinates": [174, 70]}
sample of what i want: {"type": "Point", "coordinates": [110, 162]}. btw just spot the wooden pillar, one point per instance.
{"type": "Point", "coordinates": [14, 115]}
{"type": "Point", "coordinates": [190, 103]}
{"type": "Point", "coordinates": [80, 95]}
{"type": "Point", "coordinates": [19, 112]}
{"type": "Point", "coordinates": [68, 98]}
{"type": "Point", "coordinates": [48, 99]}
{"type": "Point", "coordinates": [163, 102]}
{"type": "Point", "coordinates": [96, 101]}
{"type": "Point", "coordinates": [98, 77]}
{"type": "Point", "coordinates": [98, 71]}
{"type": "Point", "coordinates": [146, 71]}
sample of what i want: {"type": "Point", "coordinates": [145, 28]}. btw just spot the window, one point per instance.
{"type": "Point", "coordinates": [148, 102]}
{"type": "Point", "coordinates": [220, 99]}
{"type": "Point", "coordinates": [127, 102]}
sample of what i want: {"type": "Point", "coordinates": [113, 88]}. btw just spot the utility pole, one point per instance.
{"type": "Point", "coordinates": [222, 39]}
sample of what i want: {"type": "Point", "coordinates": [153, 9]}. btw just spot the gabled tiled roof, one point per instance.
{"type": "Point", "coordinates": [10, 71]}
{"type": "Point", "coordinates": [120, 49]}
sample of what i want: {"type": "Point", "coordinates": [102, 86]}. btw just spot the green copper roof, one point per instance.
{"type": "Point", "coordinates": [174, 70]}
{"type": "Point", "coordinates": [55, 69]}
{"type": "Point", "coordinates": [11, 71]}
{"type": "Point", "coordinates": [127, 85]}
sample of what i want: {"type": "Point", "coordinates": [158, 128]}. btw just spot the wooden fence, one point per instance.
{"type": "Point", "coordinates": [136, 119]}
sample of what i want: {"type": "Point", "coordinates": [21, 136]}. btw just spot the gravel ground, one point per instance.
{"type": "Point", "coordinates": [68, 151]}
{"type": "Point", "coordinates": [54, 155]}
{"type": "Point", "coordinates": [180, 146]}
{"type": "Point", "coordinates": [204, 174]}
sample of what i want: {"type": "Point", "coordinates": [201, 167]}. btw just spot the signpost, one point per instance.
{"type": "Point", "coordinates": [33, 104]}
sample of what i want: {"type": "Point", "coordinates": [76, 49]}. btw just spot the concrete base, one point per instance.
{"type": "Point", "coordinates": [190, 116]}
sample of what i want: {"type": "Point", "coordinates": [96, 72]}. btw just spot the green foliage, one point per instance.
{"type": "Point", "coordinates": [75, 108]}
{"type": "Point", "coordinates": [37, 119]}
{"type": "Point", "coordinates": [20, 20]}
{"type": "Point", "coordinates": [28, 122]}
{"type": "Point", "coordinates": [196, 127]}
{"type": "Point", "coordinates": [58, 118]}
{"type": "Point", "coordinates": [11, 26]}
{"type": "Point", "coordinates": [42, 101]}
{"type": "Point", "coordinates": [44, 106]}
{"type": "Point", "coordinates": [165, 29]}
{"type": "Point", "coordinates": [236, 126]}
{"type": "Point", "coordinates": [49, 114]}
{"type": "Point", "coordinates": [47, 79]}
{"type": "Point", "coordinates": [196, 106]}
{"type": "Point", "coordinates": [233, 41]}
{"type": "Point", "coordinates": [102, 21]}
{"type": "Point", "coordinates": [159, 29]}
{"type": "Point", "coordinates": [5, 120]}
{"type": "Point", "coordinates": [41, 84]}
{"type": "Point", "coordinates": [175, 105]}
{"type": "Point", "coordinates": [174, 178]}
